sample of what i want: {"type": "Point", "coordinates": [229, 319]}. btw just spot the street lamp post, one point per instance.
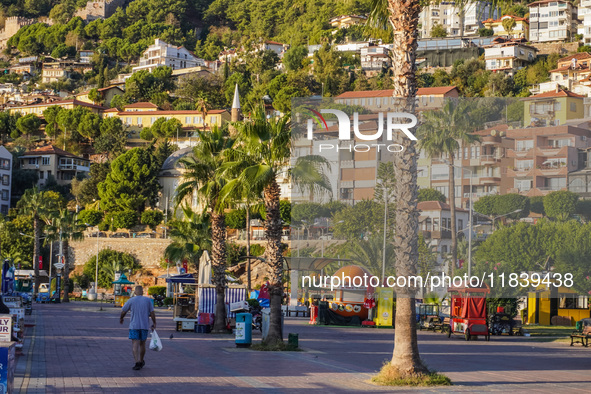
{"type": "Point", "coordinates": [500, 216]}
{"type": "Point", "coordinates": [385, 226]}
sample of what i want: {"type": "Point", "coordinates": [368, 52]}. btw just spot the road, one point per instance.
{"type": "Point", "coordinates": [76, 348]}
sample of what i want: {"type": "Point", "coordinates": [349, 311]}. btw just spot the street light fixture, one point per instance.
{"type": "Point", "coordinates": [500, 216]}
{"type": "Point", "coordinates": [97, 259]}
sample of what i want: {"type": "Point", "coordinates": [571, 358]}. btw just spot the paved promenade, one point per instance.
{"type": "Point", "coordinates": [75, 348]}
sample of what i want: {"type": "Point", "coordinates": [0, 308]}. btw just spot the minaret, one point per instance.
{"type": "Point", "coordinates": [236, 113]}
{"type": "Point", "coordinates": [236, 117]}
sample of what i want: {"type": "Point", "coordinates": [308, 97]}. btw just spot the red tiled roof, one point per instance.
{"type": "Point", "coordinates": [109, 87]}
{"type": "Point", "coordinates": [546, 1]}
{"type": "Point", "coordinates": [141, 105]}
{"type": "Point", "coordinates": [560, 93]}
{"type": "Point", "coordinates": [436, 206]}
{"type": "Point", "coordinates": [273, 43]}
{"type": "Point", "coordinates": [390, 92]}
{"type": "Point", "coordinates": [65, 102]}
{"type": "Point", "coordinates": [51, 150]}
{"type": "Point", "coordinates": [161, 112]}
{"type": "Point", "coordinates": [578, 56]}
{"type": "Point", "coordinates": [112, 110]}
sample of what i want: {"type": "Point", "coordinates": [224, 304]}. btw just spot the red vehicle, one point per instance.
{"type": "Point", "coordinates": [468, 314]}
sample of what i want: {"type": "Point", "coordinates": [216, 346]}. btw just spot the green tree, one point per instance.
{"type": "Point", "coordinates": [444, 132]}
{"type": "Point", "coordinates": [152, 218]}
{"type": "Point", "coordinates": [124, 219]}
{"type": "Point", "coordinates": [92, 217]}
{"type": "Point", "coordinates": [536, 204]}
{"type": "Point", "coordinates": [438, 31]}
{"type": "Point", "coordinates": [50, 115]}
{"type": "Point", "coordinates": [236, 219]}
{"type": "Point", "coordinates": [355, 222]}
{"type": "Point", "coordinates": [294, 58]}
{"type": "Point", "coordinates": [261, 153]}
{"type": "Point", "coordinates": [560, 205]}
{"type": "Point", "coordinates": [112, 138]}
{"type": "Point", "coordinates": [109, 262]}
{"type": "Point", "coordinates": [27, 125]}
{"type": "Point", "coordinates": [432, 195]}
{"type": "Point", "coordinates": [308, 212]}
{"type": "Point", "coordinates": [190, 237]}
{"type": "Point", "coordinates": [131, 182]}
{"type": "Point", "coordinates": [509, 25]}
{"type": "Point", "coordinates": [203, 175]}
{"type": "Point", "coordinates": [64, 227]}
{"type": "Point", "coordinates": [38, 205]}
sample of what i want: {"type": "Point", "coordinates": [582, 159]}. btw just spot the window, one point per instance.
{"type": "Point", "coordinates": [128, 121]}
{"type": "Point", "coordinates": [6, 180]}
{"type": "Point", "coordinates": [41, 174]}
{"type": "Point", "coordinates": [5, 195]}
{"type": "Point", "coordinates": [139, 121]}
{"type": "Point", "coordinates": [460, 224]}
{"type": "Point", "coordinates": [6, 164]}
{"type": "Point", "coordinates": [573, 107]}
{"type": "Point", "coordinates": [45, 160]}
{"type": "Point", "coordinates": [153, 120]}
{"type": "Point", "coordinates": [436, 224]}
{"type": "Point", "coordinates": [197, 119]}
{"type": "Point", "coordinates": [572, 301]}
{"type": "Point", "coordinates": [4, 209]}
{"type": "Point", "coordinates": [187, 120]}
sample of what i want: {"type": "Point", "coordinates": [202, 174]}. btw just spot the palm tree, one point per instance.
{"type": "Point", "coordinates": [202, 105]}
{"type": "Point", "coordinates": [191, 236]}
{"type": "Point", "coordinates": [34, 203]}
{"type": "Point", "coordinates": [264, 145]}
{"type": "Point", "coordinates": [65, 228]}
{"type": "Point", "coordinates": [403, 17]}
{"type": "Point", "coordinates": [369, 253]}
{"type": "Point", "coordinates": [203, 177]}
{"type": "Point", "coordinates": [443, 133]}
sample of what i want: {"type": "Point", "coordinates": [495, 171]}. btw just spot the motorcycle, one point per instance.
{"type": "Point", "coordinates": [257, 317]}
{"type": "Point", "coordinates": [159, 300]}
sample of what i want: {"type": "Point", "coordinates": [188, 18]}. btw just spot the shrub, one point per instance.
{"type": "Point", "coordinates": [103, 226]}
{"type": "Point", "coordinates": [236, 219]}
{"type": "Point", "coordinates": [90, 216]}
{"type": "Point", "coordinates": [168, 301]}
{"type": "Point", "coordinates": [257, 250]}
{"type": "Point", "coordinates": [157, 290]}
{"type": "Point", "coordinates": [152, 218]}
{"type": "Point", "coordinates": [124, 219]}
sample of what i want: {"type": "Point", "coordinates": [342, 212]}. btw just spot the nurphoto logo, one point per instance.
{"type": "Point", "coordinates": [393, 123]}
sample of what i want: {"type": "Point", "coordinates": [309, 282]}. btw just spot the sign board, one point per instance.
{"type": "Point", "coordinates": [240, 331]}
{"type": "Point", "coordinates": [13, 302]}
{"type": "Point", "coordinates": [5, 328]}
{"type": "Point", "coordinates": [19, 312]}
{"type": "Point", "coordinates": [40, 262]}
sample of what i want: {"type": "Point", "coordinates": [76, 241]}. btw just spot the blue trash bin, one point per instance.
{"type": "Point", "coordinates": [243, 329]}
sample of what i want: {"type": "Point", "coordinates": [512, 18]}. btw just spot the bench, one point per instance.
{"type": "Point", "coordinates": [76, 295]}
{"type": "Point", "coordinates": [583, 336]}
{"type": "Point", "coordinates": [288, 310]}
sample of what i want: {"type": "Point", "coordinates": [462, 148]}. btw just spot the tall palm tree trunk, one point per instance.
{"type": "Point", "coordinates": [404, 18]}
{"type": "Point", "coordinates": [218, 259]}
{"type": "Point", "coordinates": [36, 251]}
{"type": "Point", "coordinates": [452, 212]}
{"type": "Point", "coordinates": [66, 275]}
{"type": "Point", "coordinates": [248, 267]}
{"type": "Point", "coordinates": [273, 230]}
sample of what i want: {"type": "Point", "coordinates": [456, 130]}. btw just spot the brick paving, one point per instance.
{"type": "Point", "coordinates": [75, 348]}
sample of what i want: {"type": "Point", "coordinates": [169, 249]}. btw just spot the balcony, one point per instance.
{"type": "Point", "coordinates": [552, 170]}
{"type": "Point", "coordinates": [347, 163]}
{"type": "Point", "coordinates": [552, 150]}
{"type": "Point", "coordinates": [489, 159]}
{"type": "Point", "coordinates": [490, 180]}
{"type": "Point", "coordinates": [521, 153]}
{"type": "Point", "coordinates": [519, 172]}
{"type": "Point", "coordinates": [491, 140]}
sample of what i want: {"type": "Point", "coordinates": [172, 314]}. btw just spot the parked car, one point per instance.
{"type": "Point", "coordinates": [326, 237]}
{"type": "Point", "coordinates": [145, 235]}
{"type": "Point", "coordinates": [120, 235]}
{"type": "Point", "coordinates": [100, 234]}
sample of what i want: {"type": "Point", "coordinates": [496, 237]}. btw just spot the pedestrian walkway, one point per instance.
{"type": "Point", "coordinates": [76, 348]}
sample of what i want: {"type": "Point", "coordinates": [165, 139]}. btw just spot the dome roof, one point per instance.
{"type": "Point", "coordinates": [352, 271]}
{"type": "Point", "coordinates": [171, 162]}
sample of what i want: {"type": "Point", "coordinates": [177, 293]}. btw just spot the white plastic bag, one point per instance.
{"type": "Point", "coordinates": [155, 342]}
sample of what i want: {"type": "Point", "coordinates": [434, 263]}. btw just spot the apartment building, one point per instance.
{"type": "Point", "coordinates": [382, 100]}
{"type": "Point", "coordinates": [164, 54]}
{"type": "Point", "coordinates": [38, 108]}
{"type": "Point", "coordinates": [552, 20]}
{"type": "Point", "coordinates": [544, 157]}
{"type": "Point", "coordinates": [553, 108]}
{"type": "Point", "coordinates": [447, 15]}
{"type": "Point", "coordinates": [520, 30]}
{"type": "Point", "coordinates": [580, 181]}
{"type": "Point", "coordinates": [374, 59]}
{"type": "Point", "coordinates": [508, 56]}
{"type": "Point", "coordinates": [572, 72]}
{"type": "Point", "coordinates": [107, 94]}
{"type": "Point", "coordinates": [56, 70]}
{"type": "Point", "coordinates": [584, 16]}
{"type": "Point", "coordinates": [435, 225]}
{"type": "Point", "coordinates": [6, 179]}
{"type": "Point", "coordinates": [52, 162]}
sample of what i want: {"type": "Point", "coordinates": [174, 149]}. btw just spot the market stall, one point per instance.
{"type": "Point", "coordinates": [184, 294]}
{"type": "Point", "coordinates": [121, 294]}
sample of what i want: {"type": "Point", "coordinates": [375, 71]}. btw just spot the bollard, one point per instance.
{"type": "Point", "coordinates": [292, 340]}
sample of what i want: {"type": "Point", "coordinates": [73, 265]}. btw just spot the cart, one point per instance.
{"type": "Point", "coordinates": [468, 315]}
{"type": "Point", "coordinates": [120, 296]}
{"type": "Point", "coordinates": [184, 300]}
{"type": "Point", "coordinates": [429, 318]}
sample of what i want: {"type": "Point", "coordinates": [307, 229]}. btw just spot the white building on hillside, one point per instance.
{"type": "Point", "coordinates": [584, 15]}
{"type": "Point", "coordinates": [447, 15]}
{"type": "Point", "coordinates": [163, 54]}
{"type": "Point", "coordinates": [5, 179]}
{"type": "Point", "coordinates": [552, 20]}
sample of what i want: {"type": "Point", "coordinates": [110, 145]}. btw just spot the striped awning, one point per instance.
{"type": "Point", "coordinates": [207, 299]}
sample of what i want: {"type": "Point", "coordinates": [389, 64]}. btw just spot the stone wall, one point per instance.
{"type": "Point", "coordinates": [148, 251]}
{"type": "Point", "coordinates": [102, 9]}
{"type": "Point", "coordinates": [548, 48]}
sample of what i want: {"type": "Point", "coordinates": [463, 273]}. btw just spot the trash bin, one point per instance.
{"type": "Point", "coordinates": [8, 363]}
{"type": "Point", "coordinates": [243, 329]}
{"type": "Point", "coordinates": [292, 340]}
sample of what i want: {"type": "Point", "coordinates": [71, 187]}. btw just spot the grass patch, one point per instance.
{"type": "Point", "coordinates": [548, 331]}
{"type": "Point", "coordinates": [278, 347]}
{"type": "Point", "coordinates": [390, 376]}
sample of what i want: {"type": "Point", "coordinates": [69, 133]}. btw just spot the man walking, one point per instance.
{"type": "Point", "coordinates": [141, 309]}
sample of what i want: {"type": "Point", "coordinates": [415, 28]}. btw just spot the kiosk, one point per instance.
{"type": "Point", "coordinates": [120, 295]}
